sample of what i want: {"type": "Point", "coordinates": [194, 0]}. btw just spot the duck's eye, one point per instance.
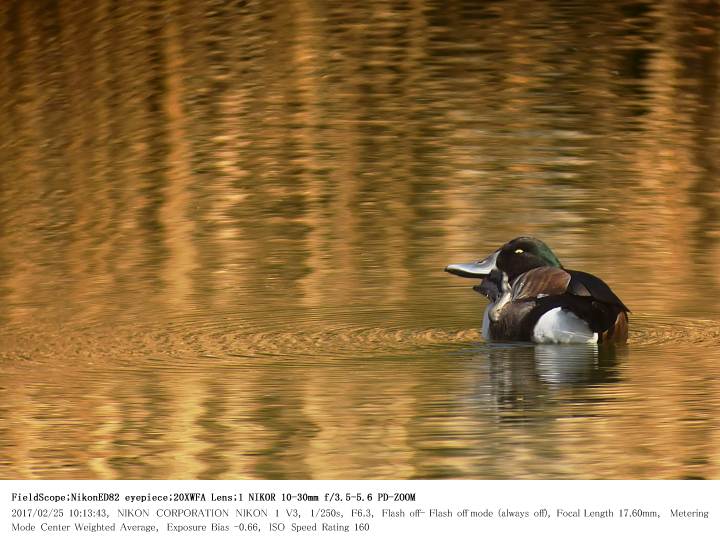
{"type": "Point", "coordinates": [519, 251]}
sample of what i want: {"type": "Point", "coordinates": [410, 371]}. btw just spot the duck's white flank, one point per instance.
{"type": "Point", "coordinates": [561, 326]}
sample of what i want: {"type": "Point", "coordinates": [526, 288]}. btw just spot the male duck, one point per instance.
{"type": "Point", "coordinates": [533, 298]}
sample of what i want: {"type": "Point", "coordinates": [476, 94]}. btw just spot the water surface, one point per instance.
{"type": "Point", "coordinates": [223, 228]}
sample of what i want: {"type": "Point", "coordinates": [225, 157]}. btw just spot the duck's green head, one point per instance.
{"type": "Point", "coordinates": [523, 254]}
{"type": "Point", "coordinates": [513, 258]}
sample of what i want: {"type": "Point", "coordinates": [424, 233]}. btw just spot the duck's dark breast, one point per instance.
{"type": "Point", "coordinates": [513, 323]}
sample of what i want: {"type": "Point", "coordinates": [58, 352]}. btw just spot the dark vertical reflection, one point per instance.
{"type": "Point", "coordinates": [699, 46]}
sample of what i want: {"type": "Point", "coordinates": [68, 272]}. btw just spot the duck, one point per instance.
{"type": "Point", "coordinates": [533, 298]}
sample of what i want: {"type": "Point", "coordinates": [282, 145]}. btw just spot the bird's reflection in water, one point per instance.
{"type": "Point", "coordinates": [577, 364]}
{"type": "Point", "coordinates": [526, 381]}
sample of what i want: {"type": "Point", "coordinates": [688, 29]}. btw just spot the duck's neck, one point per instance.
{"type": "Point", "coordinates": [504, 299]}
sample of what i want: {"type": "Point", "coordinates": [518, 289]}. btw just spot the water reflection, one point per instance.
{"type": "Point", "coordinates": [578, 364]}
{"type": "Point", "coordinates": [523, 380]}
{"type": "Point", "coordinates": [223, 227]}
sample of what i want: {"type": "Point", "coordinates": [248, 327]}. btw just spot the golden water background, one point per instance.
{"type": "Point", "coordinates": [223, 227]}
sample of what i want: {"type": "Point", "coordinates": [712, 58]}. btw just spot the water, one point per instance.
{"type": "Point", "coordinates": [223, 228]}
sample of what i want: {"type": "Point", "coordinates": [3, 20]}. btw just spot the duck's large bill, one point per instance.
{"type": "Point", "coordinates": [476, 269]}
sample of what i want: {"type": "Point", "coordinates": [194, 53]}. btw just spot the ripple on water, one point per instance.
{"type": "Point", "coordinates": [673, 332]}
{"type": "Point", "coordinates": [231, 338]}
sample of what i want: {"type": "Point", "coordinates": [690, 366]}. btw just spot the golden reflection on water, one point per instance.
{"type": "Point", "coordinates": [223, 227]}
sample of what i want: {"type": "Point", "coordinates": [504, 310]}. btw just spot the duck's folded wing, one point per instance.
{"type": "Point", "coordinates": [587, 285]}
{"type": "Point", "coordinates": [541, 282]}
